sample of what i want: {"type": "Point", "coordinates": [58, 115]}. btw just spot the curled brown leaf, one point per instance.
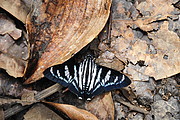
{"type": "Point", "coordinates": [60, 29]}
{"type": "Point", "coordinates": [73, 112]}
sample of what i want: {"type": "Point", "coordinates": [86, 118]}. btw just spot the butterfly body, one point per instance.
{"type": "Point", "coordinates": [87, 79]}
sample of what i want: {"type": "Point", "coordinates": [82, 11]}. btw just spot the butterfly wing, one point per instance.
{"type": "Point", "coordinates": [62, 74]}
{"type": "Point", "coordinates": [66, 75]}
{"type": "Point", "coordinates": [112, 79]}
{"type": "Point", "coordinates": [107, 80]}
{"type": "Point", "coordinates": [97, 90]}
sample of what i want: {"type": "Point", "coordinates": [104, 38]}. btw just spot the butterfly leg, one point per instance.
{"type": "Point", "coordinates": [65, 90]}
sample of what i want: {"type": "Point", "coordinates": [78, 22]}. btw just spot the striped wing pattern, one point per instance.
{"type": "Point", "coordinates": [87, 79]}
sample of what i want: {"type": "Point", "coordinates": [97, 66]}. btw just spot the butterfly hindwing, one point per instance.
{"type": "Point", "coordinates": [107, 80]}
{"type": "Point", "coordinates": [75, 89]}
{"type": "Point", "coordinates": [112, 79]}
{"type": "Point", "coordinates": [99, 89]}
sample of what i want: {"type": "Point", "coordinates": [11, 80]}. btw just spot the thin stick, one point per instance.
{"type": "Point", "coordinates": [39, 96]}
{"type": "Point", "coordinates": [48, 91]}
{"type": "Point", "coordinates": [131, 107]}
{"type": "Point", "coordinates": [13, 110]}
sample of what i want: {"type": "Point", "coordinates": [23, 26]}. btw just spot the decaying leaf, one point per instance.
{"type": "Point", "coordinates": [13, 50]}
{"type": "Point", "coordinates": [148, 46]}
{"type": "Point", "coordinates": [144, 36]}
{"type": "Point", "coordinates": [109, 60]}
{"type": "Point", "coordinates": [18, 8]}
{"type": "Point", "coordinates": [73, 112]}
{"type": "Point", "coordinates": [8, 27]}
{"type": "Point", "coordinates": [153, 11]}
{"type": "Point", "coordinates": [165, 62]}
{"type": "Point", "coordinates": [41, 112]}
{"type": "Point", "coordinates": [167, 44]}
{"type": "Point", "coordinates": [10, 86]}
{"type": "Point", "coordinates": [60, 29]}
{"type": "Point", "coordinates": [12, 66]}
{"type": "Point", "coordinates": [102, 106]}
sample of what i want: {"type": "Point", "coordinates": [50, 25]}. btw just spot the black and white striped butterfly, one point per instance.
{"type": "Point", "coordinates": [87, 79]}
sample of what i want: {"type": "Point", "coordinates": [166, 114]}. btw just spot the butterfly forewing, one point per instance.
{"type": "Point", "coordinates": [62, 74]}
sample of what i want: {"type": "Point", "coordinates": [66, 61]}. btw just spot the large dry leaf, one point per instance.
{"type": "Point", "coordinates": [165, 62]}
{"type": "Point", "coordinates": [148, 54]}
{"type": "Point", "coordinates": [102, 106]}
{"type": "Point", "coordinates": [73, 112]}
{"type": "Point", "coordinates": [150, 10]}
{"type": "Point", "coordinates": [60, 29]}
{"type": "Point", "coordinates": [167, 44]}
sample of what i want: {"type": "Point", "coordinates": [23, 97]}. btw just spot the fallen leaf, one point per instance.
{"type": "Point", "coordinates": [119, 47]}
{"type": "Point", "coordinates": [58, 30]}
{"type": "Point", "coordinates": [41, 112]}
{"type": "Point", "coordinates": [109, 60]}
{"type": "Point", "coordinates": [12, 66]}
{"type": "Point", "coordinates": [9, 86]}
{"type": "Point", "coordinates": [155, 10]}
{"type": "Point", "coordinates": [73, 112]}
{"type": "Point", "coordinates": [165, 62]}
{"type": "Point", "coordinates": [150, 11]}
{"type": "Point", "coordinates": [8, 27]}
{"type": "Point", "coordinates": [14, 51]}
{"type": "Point", "coordinates": [147, 46]}
{"type": "Point", "coordinates": [102, 106]}
{"type": "Point", "coordinates": [19, 8]}
{"type": "Point", "coordinates": [136, 72]}
{"type": "Point", "coordinates": [145, 26]}
{"type": "Point", "coordinates": [167, 44]}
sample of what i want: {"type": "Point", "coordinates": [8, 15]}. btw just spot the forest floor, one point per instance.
{"type": "Point", "coordinates": [141, 39]}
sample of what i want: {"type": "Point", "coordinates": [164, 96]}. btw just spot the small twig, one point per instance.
{"type": "Point", "coordinates": [13, 110]}
{"type": "Point", "coordinates": [39, 96]}
{"type": "Point", "coordinates": [109, 27]}
{"type": "Point", "coordinates": [12, 101]}
{"type": "Point", "coordinates": [47, 92]}
{"type": "Point", "coordinates": [1, 114]}
{"type": "Point", "coordinates": [131, 107]}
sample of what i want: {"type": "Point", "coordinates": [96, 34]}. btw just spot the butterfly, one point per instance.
{"type": "Point", "coordinates": [87, 79]}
